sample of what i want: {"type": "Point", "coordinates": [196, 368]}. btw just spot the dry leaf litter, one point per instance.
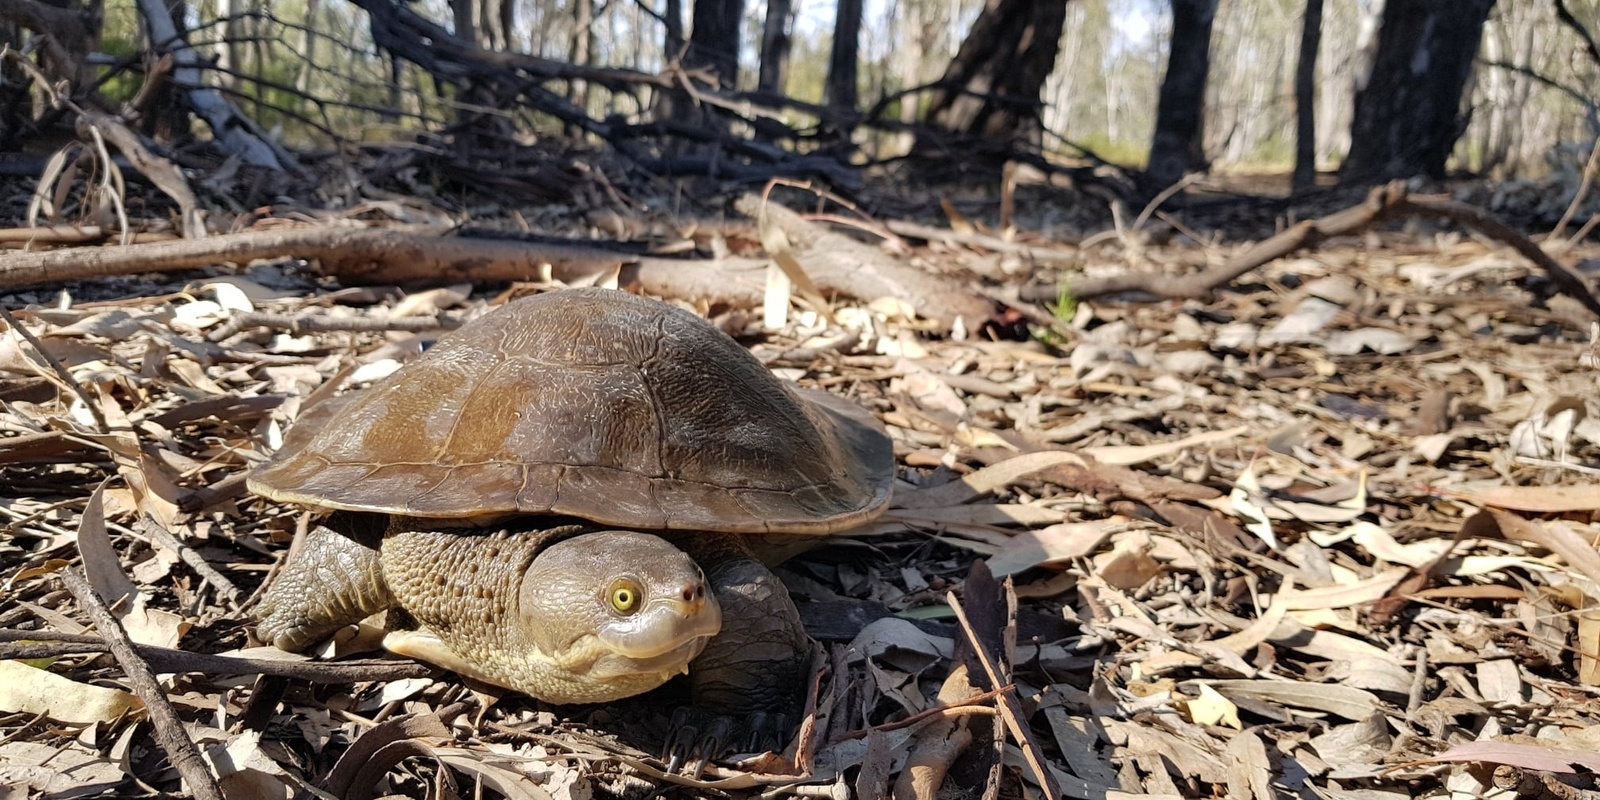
{"type": "Point", "coordinates": [1327, 535]}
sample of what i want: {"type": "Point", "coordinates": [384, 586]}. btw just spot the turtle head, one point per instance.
{"type": "Point", "coordinates": [616, 612]}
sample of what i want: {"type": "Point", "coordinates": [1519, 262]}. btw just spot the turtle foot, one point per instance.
{"type": "Point", "coordinates": [696, 737]}
{"type": "Point", "coordinates": [335, 580]}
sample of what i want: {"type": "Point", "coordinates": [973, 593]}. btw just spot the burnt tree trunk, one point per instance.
{"type": "Point", "coordinates": [463, 18]}
{"type": "Point", "coordinates": [672, 22]}
{"type": "Point", "coordinates": [714, 39]}
{"type": "Point", "coordinates": [1408, 116]}
{"type": "Point", "coordinates": [1305, 99]}
{"type": "Point", "coordinates": [1180, 108]}
{"type": "Point", "coordinates": [775, 44]}
{"type": "Point", "coordinates": [841, 91]}
{"type": "Point", "coordinates": [989, 95]}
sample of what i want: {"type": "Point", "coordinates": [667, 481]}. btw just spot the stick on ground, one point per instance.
{"type": "Point", "coordinates": [180, 749]}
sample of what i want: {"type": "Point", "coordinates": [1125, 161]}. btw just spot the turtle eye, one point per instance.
{"type": "Point", "coordinates": [624, 595]}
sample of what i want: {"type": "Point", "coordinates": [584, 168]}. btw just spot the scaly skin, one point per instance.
{"type": "Point", "coordinates": [334, 580]}
{"type": "Point", "coordinates": [523, 609]}
{"type": "Point", "coordinates": [519, 609]}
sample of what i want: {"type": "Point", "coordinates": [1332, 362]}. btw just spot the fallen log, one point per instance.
{"type": "Point", "coordinates": [425, 255]}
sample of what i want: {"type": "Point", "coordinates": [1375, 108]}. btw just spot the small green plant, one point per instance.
{"type": "Point", "coordinates": [1061, 311]}
{"type": "Point", "coordinates": [1066, 306]}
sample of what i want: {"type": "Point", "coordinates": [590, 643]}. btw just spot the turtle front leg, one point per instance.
{"type": "Point", "coordinates": [750, 682]}
{"type": "Point", "coordinates": [336, 579]}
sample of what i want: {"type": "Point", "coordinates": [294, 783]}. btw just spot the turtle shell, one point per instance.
{"type": "Point", "coordinates": [598, 404]}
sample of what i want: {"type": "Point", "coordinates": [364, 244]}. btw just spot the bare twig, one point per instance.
{"type": "Point", "coordinates": [51, 644]}
{"type": "Point", "coordinates": [421, 254]}
{"type": "Point", "coordinates": [188, 556]}
{"type": "Point", "coordinates": [307, 323]}
{"type": "Point", "coordinates": [58, 368]}
{"type": "Point", "coordinates": [170, 735]}
{"type": "Point", "coordinates": [1036, 253]}
{"type": "Point", "coordinates": [1010, 709]}
{"type": "Point", "coordinates": [1384, 202]}
{"type": "Point", "coordinates": [971, 704]}
{"type": "Point", "coordinates": [1582, 194]}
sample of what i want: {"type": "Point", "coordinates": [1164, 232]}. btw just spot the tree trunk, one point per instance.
{"type": "Point", "coordinates": [674, 29]}
{"type": "Point", "coordinates": [1305, 99]}
{"type": "Point", "coordinates": [461, 12]}
{"type": "Point", "coordinates": [235, 134]}
{"type": "Point", "coordinates": [714, 40]}
{"type": "Point", "coordinates": [508, 23]}
{"type": "Point", "coordinates": [841, 90]}
{"type": "Point", "coordinates": [581, 52]}
{"type": "Point", "coordinates": [990, 93]}
{"type": "Point", "coordinates": [775, 43]}
{"type": "Point", "coordinates": [308, 49]}
{"type": "Point", "coordinates": [1175, 148]}
{"type": "Point", "coordinates": [491, 18]}
{"type": "Point", "coordinates": [1408, 116]}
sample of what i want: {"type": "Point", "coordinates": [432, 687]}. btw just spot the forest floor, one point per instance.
{"type": "Point", "coordinates": [1325, 533]}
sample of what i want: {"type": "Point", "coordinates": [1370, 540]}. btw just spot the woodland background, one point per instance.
{"type": "Point", "coordinates": [1380, 90]}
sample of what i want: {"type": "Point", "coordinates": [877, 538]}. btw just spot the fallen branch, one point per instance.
{"type": "Point", "coordinates": [1037, 253]}
{"type": "Point", "coordinates": [191, 557]}
{"type": "Point", "coordinates": [838, 263]}
{"type": "Point", "coordinates": [234, 133]}
{"type": "Point", "coordinates": [424, 255]}
{"type": "Point", "coordinates": [1382, 204]}
{"type": "Point", "coordinates": [297, 324]}
{"type": "Point", "coordinates": [170, 734]}
{"type": "Point", "coordinates": [54, 644]}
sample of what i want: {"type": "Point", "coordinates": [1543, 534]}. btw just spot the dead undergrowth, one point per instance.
{"type": "Point", "coordinates": [1326, 534]}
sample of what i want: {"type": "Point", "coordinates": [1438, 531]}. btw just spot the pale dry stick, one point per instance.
{"type": "Point", "coordinates": [1038, 253]}
{"type": "Point", "coordinates": [60, 369]}
{"type": "Point", "coordinates": [1419, 684]}
{"type": "Point", "coordinates": [869, 223]}
{"type": "Point", "coordinates": [1006, 701]}
{"type": "Point", "coordinates": [966, 705]}
{"type": "Point", "coordinates": [1583, 232]}
{"type": "Point", "coordinates": [322, 323]}
{"type": "Point", "coordinates": [180, 749]}
{"type": "Point", "coordinates": [196, 562]}
{"type": "Point", "coordinates": [1589, 168]}
{"type": "Point", "coordinates": [1161, 197]}
{"type": "Point", "coordinates": [16, 644]}
{"type": "Point", "coordinates": [53, 234]}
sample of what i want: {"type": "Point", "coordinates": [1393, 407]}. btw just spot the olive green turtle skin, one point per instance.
{"type": "Point", "coordinates": [576, 496]}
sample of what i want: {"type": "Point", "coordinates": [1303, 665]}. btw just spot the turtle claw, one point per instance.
{"type": "Point", "coordinates": [764, 732]}
{"type": "Point", "coordinates": [696, 737]}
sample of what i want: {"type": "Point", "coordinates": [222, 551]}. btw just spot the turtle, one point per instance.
{"type": "Point", "coordinates": [577, 496]}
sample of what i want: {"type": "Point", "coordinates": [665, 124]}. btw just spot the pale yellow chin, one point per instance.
{"type": "Point", "coordinates": [611, 666]}
{"type": "Point", "coordinates": [663, 628]}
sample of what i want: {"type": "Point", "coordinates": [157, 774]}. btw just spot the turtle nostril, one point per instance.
{"type": "Point", "coordinates": [692, 593]}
